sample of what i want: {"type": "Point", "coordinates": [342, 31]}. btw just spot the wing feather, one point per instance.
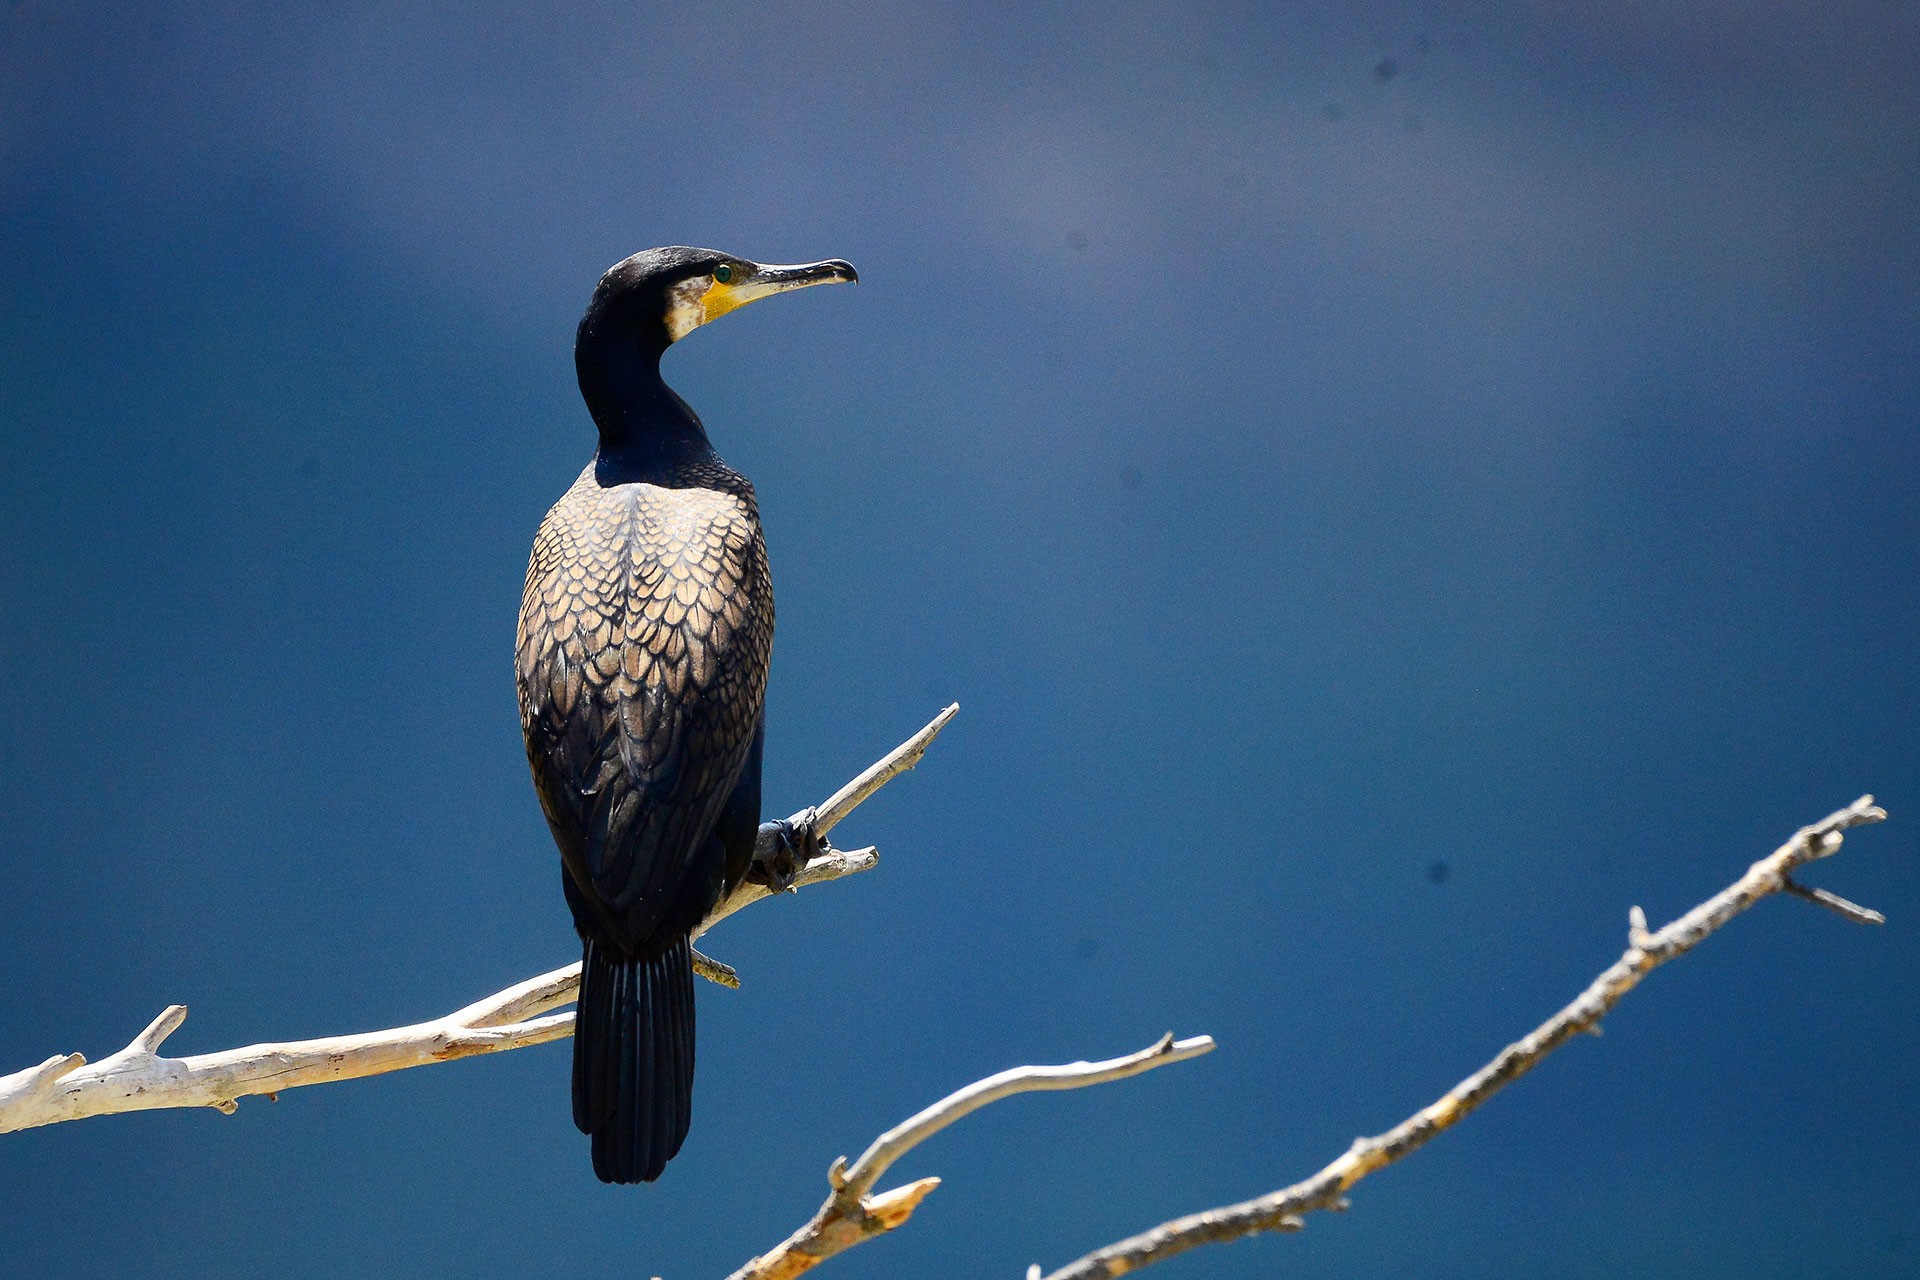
{"type": "Point", "coordinates": [645, 631]}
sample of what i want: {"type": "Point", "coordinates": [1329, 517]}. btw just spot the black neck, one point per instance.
{"type": "Point", "coordinates": [643, 424]}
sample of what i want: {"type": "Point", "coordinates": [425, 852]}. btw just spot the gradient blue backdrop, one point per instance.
{"type": "Point", "coordinates": [1390, 485]}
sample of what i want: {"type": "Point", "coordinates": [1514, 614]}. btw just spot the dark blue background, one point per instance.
{"type": "Point", "coordinates": [1313, 445]}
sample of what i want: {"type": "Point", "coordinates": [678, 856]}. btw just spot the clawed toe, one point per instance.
{"type": "Point", "coordinates": [783, 850]}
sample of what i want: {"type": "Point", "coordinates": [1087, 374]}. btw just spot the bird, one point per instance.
{"type": "Point", "coordinates": [641, 659]}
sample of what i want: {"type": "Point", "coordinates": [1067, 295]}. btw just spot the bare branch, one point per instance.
{"type": "Point", "coordinates": [910, 1133]}
{"type": "Point", "coordinates": [834, 811]}
{"type": "Point", "coordinates": [879, 774]}
{"type": "Point", "coordinates": [137, 1078]}
{"type": "Point", "coordinates": [1835, 903]}
{"type": "Point", "coordinates": [854, 1213]}
{"type": "Point", "coordinates": [159, 1029]}
{"type": "Point", "coordinates": [1283, 1210]}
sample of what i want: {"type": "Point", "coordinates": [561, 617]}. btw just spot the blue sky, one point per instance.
{"type": "Point", "coordinates": [1314, 445]}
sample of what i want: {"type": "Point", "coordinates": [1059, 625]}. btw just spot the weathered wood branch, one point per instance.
{"type": "Point", "coordinates": [137, 1078]}
{"type": "Point", "coordinates": [1284, 1210]}
{"type": "Point", "coordinates": [841, 803]}
{"type": "Point", "coordinates": [854, 1213]}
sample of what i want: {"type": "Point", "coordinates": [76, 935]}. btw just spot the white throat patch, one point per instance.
{"type": "Point", "coordinates": [687, 306]}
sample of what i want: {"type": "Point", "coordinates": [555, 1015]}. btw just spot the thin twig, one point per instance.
{"type": "Point", "coordinates": [1835, 903]}
{"type": "Point", "coordinates": [835, 862]}
{"type": "Point", "coordinates": [1283, 1210]}
{"type": "Point", "coordinates": [881, 772]}
{"type": "Point", "coordinates": [855, 1213]}
{"type": "Point", "coordinates": [137, 1078]}
{"type": "Point", "coordinates": [910, 1133]}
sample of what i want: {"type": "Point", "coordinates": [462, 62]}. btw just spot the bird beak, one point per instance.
{"type": "Point", "coordinates": [763, 281]}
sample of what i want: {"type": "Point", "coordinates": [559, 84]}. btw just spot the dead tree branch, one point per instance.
{"type": "Point", "coordinates": [137, 1078]}
{"type": "Point", "coordinates": [854, 1213]}
{"type": "Point", "coordinates": [1284, 1210]}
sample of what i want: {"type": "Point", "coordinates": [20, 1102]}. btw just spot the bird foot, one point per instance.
{"type": "Point", "coordinates": [782, 850]}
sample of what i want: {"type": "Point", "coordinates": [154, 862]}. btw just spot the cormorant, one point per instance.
{"type": "Point", "coordinates": [645, 630]}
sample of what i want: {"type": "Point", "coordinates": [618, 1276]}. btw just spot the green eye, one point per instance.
{"type": "Point", "coordinates": [723, 273]}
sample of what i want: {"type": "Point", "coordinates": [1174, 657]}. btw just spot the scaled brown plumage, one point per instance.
{"type": "Point", "coordinates": [645, 632]}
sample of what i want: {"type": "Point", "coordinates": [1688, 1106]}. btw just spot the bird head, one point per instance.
{"type": "Point", "coordinates": [659, 296]}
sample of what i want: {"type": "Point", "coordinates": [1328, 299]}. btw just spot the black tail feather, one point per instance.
{"type": "Point", "coordinates": [633, 1059]}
